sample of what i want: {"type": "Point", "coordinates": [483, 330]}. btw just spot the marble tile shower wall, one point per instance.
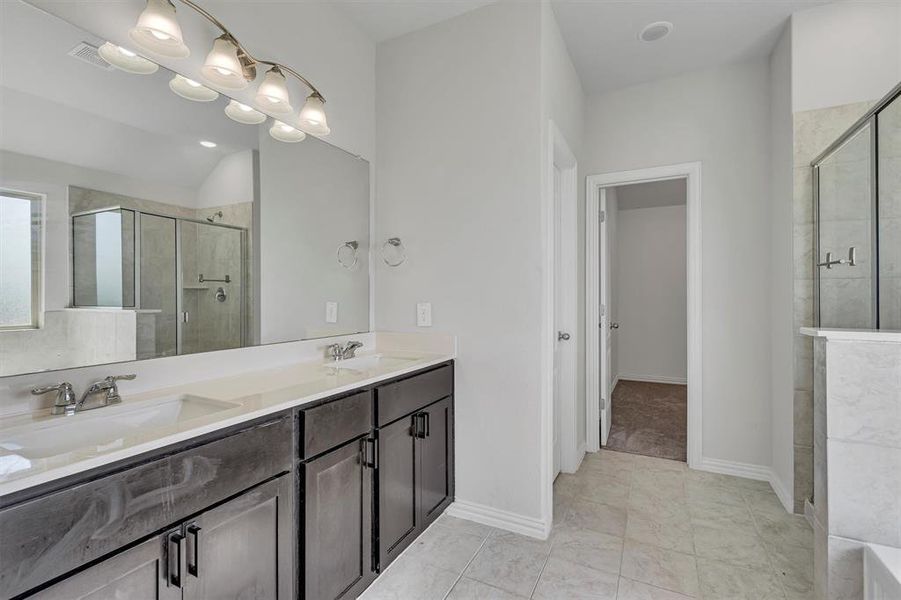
{"type": "Point", "coordinates": [814, 130]}
{"type": "Point", "coordinates": [858, 460]}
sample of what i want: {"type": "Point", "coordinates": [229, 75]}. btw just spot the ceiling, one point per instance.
{"type": "Point", "coordinates": [386, 19]}
{"type": "Point", "coordinates": [653, 194]}
{"type": "Point", "coordinates": [602, 36]}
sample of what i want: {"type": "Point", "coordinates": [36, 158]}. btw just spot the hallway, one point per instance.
{"type": "Point", "coordinates": [650, 419]}
{"type": "Point", "coordinates": [626, 527]}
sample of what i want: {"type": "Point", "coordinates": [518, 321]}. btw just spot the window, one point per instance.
{"type": "Point", "coordinates": [20, 260]}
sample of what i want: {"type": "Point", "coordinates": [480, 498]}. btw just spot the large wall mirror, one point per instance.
{"type": "Point", "coordinates": [144, 216]}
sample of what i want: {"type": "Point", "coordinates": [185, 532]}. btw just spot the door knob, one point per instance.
{"type": "Point", "coordinates": [614, 325]}
{"type": "Point", "coordinates": [562, 336]}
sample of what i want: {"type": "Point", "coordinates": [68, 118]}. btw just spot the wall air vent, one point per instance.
{"type": "Point", "coordinates": [89, 54]}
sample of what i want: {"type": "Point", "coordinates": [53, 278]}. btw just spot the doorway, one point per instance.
{"type": "Point", "coordinates": [655, 375]}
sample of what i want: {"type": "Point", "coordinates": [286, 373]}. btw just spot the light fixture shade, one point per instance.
{"type": "Point", "coordinates": [312, 116]}
{"type": "Point", "coordinates": [272, 95]}
{"type": "Point", "coordinates": [223, 67]}
{"type": "Point", "coordinates": [243, 113]}
{"type": "Point", "coordinates": [157, 30]}
{"type": "Point", "coordinates": [191, 90]}
{"type": "Point", "coordinates": [285, 133]}
{"type": "Point", "coordinates": [126, 60]}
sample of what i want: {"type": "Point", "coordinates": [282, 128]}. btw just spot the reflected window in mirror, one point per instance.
{"type": "Point", "coordinates": [20, 259]}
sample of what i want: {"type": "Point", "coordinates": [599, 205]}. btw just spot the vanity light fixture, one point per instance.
{"type": "Point", "coordinates": [312, 115]}
{"type": "Point", "coordinates": [208, 144]}
{"type": "Point", "coordinates": [230, 66]}
{"type": "Point", "coordinates": [243, 113]}
{"type": "Point", "coordinates": [286, 133]}
{"type": "Point", "coordinates": [224, 65]}
{"type": "Point", "coordinates": [191, 90]}
{"type": "Point", "coordinates": [272, 94]}
{"type": "Point", "coordinates": [126, 60]}
{"type": "Point", "coordinates": [158, 31]}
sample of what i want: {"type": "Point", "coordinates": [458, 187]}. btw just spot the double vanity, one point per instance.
{"type": "Point", "coordinates": [302, 481]}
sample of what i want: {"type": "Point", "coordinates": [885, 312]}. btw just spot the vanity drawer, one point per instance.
{"type": "Point", "coordinates": [53, 534]}
{"type": "Point", "coordinates": [400, 398]}
{"type": "Point", "coordinates": [329, 425]}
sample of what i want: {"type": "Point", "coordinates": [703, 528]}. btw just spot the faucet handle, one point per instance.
{"type": "Point", "coordinates": [114, 378]}
{"type": "Point", "coordinates": [112, 393]}
{"type": "Point", "coordinates": [65, 398]}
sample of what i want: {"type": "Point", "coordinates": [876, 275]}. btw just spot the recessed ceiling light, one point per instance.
{"type": "Point", "coordinates": [207, 144]}
{"type": "Point", "coordinates": [655, 31]}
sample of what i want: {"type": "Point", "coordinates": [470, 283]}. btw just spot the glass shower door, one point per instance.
{"type": "Point", "coordinates": [845, 276]}
{"type": "Point", "coordinates": [889, 125]}
{"type": "Point", "coordinates": [212, 302]}
{"type": "Point", "coordinates": [157, 329]}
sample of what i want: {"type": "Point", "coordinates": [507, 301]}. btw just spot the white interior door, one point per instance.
{"type": "Point", "coordinates": [558, 323]}
{"type": "Point", "coordinates": [605, 350]}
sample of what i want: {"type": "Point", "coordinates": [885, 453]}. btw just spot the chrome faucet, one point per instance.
{"type": "Point", "coordinates": [65, 397]}
{"type": "Point", "coordinates": [343, 351]}
{"type": "Point", "coordinates": [107, 385]}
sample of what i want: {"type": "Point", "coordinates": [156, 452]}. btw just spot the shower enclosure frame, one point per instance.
{"type": "Point", "coordinates": [179, 274]}
{"type": "Point", "coordinates": [869, 119]}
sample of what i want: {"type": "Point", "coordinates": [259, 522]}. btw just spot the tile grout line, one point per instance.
{"type": "Point", "coordinates": [466, 566]}
{"type": "Point", "coordinates": [769, 558]}
{"type": "Point", "coordinates": [541, 571]}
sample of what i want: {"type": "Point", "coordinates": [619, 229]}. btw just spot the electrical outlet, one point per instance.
{"type": "Point", "coordinates": [331, 312]}
{"type": "Point", "coordinates": [424, 314]}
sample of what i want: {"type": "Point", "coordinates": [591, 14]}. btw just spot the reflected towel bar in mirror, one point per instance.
{"type": "Point", "coordinates": [203, 279]}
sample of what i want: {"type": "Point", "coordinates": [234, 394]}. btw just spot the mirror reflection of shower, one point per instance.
{"type": "Point", "coordinates": [212, 218]}
{"type": "Point", "coordinates": [152, 264]}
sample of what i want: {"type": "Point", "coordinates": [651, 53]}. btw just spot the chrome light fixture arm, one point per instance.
{"type": "Point", "coordinates": [250, 57]}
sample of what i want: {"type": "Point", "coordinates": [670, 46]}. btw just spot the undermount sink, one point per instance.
{"type": "Point", "coordinates": [370, 362]}
{"type": "Point", "coordinates": [105, 428]}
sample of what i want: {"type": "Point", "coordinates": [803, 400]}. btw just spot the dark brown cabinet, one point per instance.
{"type": "Point", "coordinates": [337, 522]}
{"type": "Point", "coordinates": [239, 549]}
{"type": "Point", "coordinates": [415, 459]}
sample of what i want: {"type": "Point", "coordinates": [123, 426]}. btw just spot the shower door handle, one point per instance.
{"type": "Point", "coordinates": [185, 317]}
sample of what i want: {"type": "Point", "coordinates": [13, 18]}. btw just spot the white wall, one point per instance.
{"type": "Point", "coordinates": [651, 294]}
{"type": "Point", "coordinates": [230, 181]}
{"type": "Point", "coordinates": [719, 117]}
{"type": "Point", "coordinates": [781, 276]}
{"type": "Point", "coordinates": [458, 179]}
{"type": "Point", "coordinates": [845, 52]}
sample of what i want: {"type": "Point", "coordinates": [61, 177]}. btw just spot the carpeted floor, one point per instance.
{"type": "Point", "coordinates": [649, 419]}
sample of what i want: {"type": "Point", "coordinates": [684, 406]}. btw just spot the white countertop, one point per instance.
{"type": "Point", "coordinates": [256, 394]}
{"type": "Point", "coordinates": [859, 335]}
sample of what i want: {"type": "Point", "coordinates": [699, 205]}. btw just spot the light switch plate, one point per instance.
{"type": "Point", "coordinates": [331, 312]}
{"type": "Point", "coordinates": [424, 314]}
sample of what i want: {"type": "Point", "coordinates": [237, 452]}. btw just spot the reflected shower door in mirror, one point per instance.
{"type": "Point", "coordinates": [141, 219]}
{"type": "Point", "coordinates": [845, 223]}
{"type": "Point", "coordinates": [889, 180]}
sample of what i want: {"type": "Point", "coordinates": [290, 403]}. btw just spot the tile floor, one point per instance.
{"type": "Point", "coordinates": [626, 527]}
{"type": "Point", "coordinates": [650, 419]}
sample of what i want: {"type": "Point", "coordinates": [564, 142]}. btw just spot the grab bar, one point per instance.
{"type": "Point", "coordinates": [226, 280]}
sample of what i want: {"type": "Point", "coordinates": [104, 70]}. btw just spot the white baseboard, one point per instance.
{"type": "Point", "coordinates": [653, 379]}
{"type": "Point", "coordinates": [749, 471]}
{"type": "Point", "coordinates": [501, 519]}
{"type": "Point", "coordinates": [786, 497]}
{"type": "Point", "coordinates": [613, 385]}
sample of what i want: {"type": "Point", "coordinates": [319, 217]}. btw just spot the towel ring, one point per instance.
{"type": "Point", "coordinates": [346, 252]}
{"type": "Point", "coordinates": [393, 252]}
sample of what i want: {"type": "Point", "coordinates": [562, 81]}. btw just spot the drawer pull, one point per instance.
{"type": "Point", "coordinates": [194, 566]}
{"type": "Point", "coordinates": [176, 567]}
{"type": "Point", "coordinates": [369, 450]}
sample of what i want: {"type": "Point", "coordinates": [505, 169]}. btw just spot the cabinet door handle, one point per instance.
{"type": "Point", "coordinates": [176, 567]}
{"type": "Point", "coordinates": [194, 565]}
{"type": "Point", "coordinates": [419, 425]}
{"type": "Point", "coordinates": [427, 417]}
{"type": "Point", "coordinates": [367, 444]}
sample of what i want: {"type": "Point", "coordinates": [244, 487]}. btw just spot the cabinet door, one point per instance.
{"type": "Point", "coordinates": [337, 524]}
{"type": "Point", "coordinates": [137, 574]}
{"type": "Point", "coordinates": [397, 481]}
{"type": "Point", "coordinates": [243, 548]}
{"type": "Point", "coordinates": [435, 460]}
